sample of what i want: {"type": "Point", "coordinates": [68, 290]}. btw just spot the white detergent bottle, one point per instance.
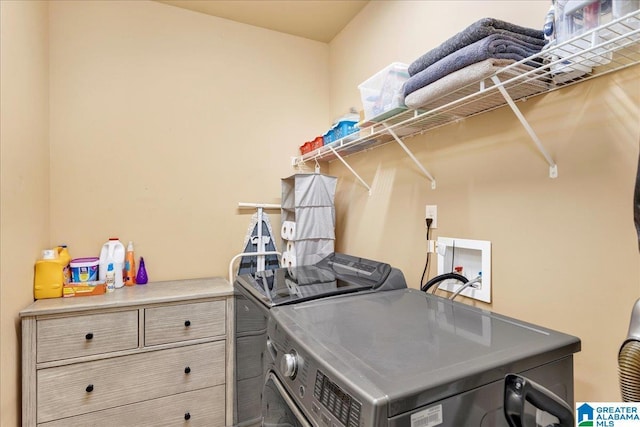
{"type": "Point", "coordinates": [112, 252]}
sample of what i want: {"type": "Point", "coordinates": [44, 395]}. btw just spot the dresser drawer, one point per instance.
{"type": "Point", "coordinates": [204, 408]}
{"type": "Point", "coordinates": [183, 322]}
{"type": "Point", "coordinates": [71, 390]}
{"type": "Point", "coordinates": [85, 335]}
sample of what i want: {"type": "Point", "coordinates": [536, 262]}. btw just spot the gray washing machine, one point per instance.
{"type": "Point", "coordinates": [337, 276]}
{"type": "Point", "coordinates": [406, 359]}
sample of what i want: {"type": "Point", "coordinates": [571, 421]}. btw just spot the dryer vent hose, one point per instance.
{"type": "Point", "coordinates": [629, 371]}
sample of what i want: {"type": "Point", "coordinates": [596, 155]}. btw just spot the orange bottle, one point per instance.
{"type": "Point", "coordinates": [129, 266]}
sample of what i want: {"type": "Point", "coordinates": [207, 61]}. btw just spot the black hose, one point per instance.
{"type": "Point", "coordinates": [426, 264]}
{"type": "Point", "coordinates": [442, 278]}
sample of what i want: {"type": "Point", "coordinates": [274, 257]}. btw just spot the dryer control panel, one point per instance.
{"type": "Point", "coordinates": [322, 399]}
{"type": "Point", "coordinates": [339, 403]}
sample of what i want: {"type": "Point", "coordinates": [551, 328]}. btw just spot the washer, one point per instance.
{"type": "Point", "coordinates": [405, 358]}
{"type": "Point", "coordinates": [336, 277]}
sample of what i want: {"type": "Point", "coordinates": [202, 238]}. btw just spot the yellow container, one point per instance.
{"type": "Point", "coordinates": [65, 260]}
{"type": "Point", "coordinates": [49, 275]}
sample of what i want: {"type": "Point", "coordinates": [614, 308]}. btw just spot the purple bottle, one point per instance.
{"type": "Point", "coordinates": [141, 277]}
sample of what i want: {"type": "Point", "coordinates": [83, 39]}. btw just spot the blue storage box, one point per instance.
{"type": "Point", "coordinates": [328, 137]}
{"type": "Point", "coordinates": [344, 128]}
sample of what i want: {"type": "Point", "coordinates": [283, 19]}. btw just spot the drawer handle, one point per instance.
{"type": "Point", "coordinates": [187, 323]}
{"type": "Point", "coordinates": [89, 388]}
{"type": "Point", "coordinates": [89, 336]}
{"type": "Point", "coordinates": [187, 415]}
{"type": "Point", "coordinates": [187, 370]}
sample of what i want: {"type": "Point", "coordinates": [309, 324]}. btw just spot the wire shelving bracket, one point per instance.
{"type": "Point", "coordinates": [344, 162]}
{"type": "Point", "coordinates": [411, 156]}
{"type": "Point", "coordinates": [553, 167]}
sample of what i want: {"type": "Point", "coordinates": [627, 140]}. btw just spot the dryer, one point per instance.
{"type": "Point", "coordinates": [405, 359]}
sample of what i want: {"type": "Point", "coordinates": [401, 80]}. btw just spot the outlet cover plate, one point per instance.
{"type": "Point", "coordinates": [431, 211]}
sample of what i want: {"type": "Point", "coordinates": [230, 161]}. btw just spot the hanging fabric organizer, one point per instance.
{"type": "Point", "coordinates": [308, 218]}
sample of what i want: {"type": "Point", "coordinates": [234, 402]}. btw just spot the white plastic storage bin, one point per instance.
{"type": "Point", "coordinates": [623, 8]}
{"type": "Point", "coordinates": [577, 17]}
{"type": "Point", "coordinates": [382, 93]}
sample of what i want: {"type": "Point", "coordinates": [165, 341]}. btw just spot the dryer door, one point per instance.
{"type": "Point", "coordinates": [278, 409]}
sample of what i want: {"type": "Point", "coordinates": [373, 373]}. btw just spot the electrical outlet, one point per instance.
{"type": "Point", "coordinates": [431, 211]}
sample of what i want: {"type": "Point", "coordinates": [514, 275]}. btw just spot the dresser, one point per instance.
{"type": "Point", "coordinates": [154, 355]}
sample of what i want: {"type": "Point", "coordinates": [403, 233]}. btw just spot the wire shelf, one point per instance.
{"type": "Point", "coordinates": [602, 50]}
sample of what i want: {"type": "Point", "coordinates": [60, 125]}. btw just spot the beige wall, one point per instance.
{"type": "Point", "coordinates": [565, 253]}
{"type": "Point", "coordinates": [24, 178]}
{"type": "Point", "coordinates": [163, 119]}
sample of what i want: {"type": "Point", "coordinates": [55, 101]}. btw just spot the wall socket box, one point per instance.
{"type": "Point", "coordinates": [472, 257]}
{"type": "Point", "coordinates": [431, 211]}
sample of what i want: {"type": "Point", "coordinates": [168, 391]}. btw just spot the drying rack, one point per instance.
{"type": "Point", "coordinates": [610, 47]}
{"type": "Point", "coordinates": [260, 240]}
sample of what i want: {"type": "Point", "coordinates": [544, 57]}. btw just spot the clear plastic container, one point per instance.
{"type": "Point", "coordinates": [577, 20]}
{"type": "Point", "coordinates": [622, 8]}
{"type": "Point", "coordinates": [382, 92]}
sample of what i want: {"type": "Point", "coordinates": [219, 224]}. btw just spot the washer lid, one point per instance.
{"type": "Point", "coordinates": [334, 275]}
{"type": "Point", "coordinates": [406, 349]}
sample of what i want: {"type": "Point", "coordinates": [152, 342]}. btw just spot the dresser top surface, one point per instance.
{"type": "Point", "coordinates": [151, 293]}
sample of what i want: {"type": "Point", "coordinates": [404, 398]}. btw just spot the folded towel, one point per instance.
{"type": "Point", "coordinates": [499, 46]}
{"type": "Point", "coordinates": [476, 31]}
{"type": "Point", "coordinates": [467, 81]}
{"type": "Point", "coordinates": [425, 97]}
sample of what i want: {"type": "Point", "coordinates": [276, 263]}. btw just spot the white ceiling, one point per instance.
{"type": "Point", "coordinates": [319, 20]}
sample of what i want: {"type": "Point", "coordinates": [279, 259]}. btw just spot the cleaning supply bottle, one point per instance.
{"type": "Point", "coordinates": [130, 266]}
{"type": "Point", "coordinates": [110, 278]}
{"type": "Point", "coordinates": [112, 253]}
{"type": "Point", "coordinates": [48, 278]}
{"type": "Point", "coordinates": [65, 260]}
{"type": "Point", "coordinates": [141, 278]}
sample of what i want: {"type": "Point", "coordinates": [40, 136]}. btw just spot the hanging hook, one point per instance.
{"type": "Point", "coordinates": [299, 165]}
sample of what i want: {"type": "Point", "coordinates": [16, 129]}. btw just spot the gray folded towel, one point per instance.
{"type": "Point", "coordinates": [476, 31]}
{"type": "Point", "coordinates": [431, 96]}
{"type": "Point", "coordinates": [475, 80]}
{"type": "Point", "coordinates": [499, 46]}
